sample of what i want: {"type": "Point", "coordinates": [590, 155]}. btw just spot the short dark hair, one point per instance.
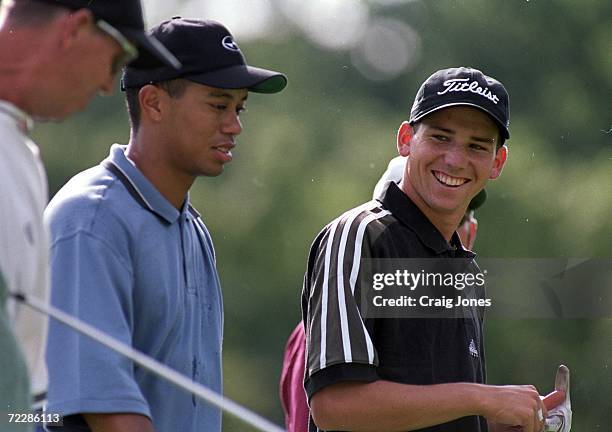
{"type": "Point", "coordinates": [175, 89]}
{"type": "Point", "coordinates": [25, 13]}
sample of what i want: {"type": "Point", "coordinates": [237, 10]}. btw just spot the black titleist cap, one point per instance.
{"type": "Point", "coordinates": [126, 17]}
{"type": "Point", "coordinates": [463, 86]}
{"type": "Point", "coordinates": [209, 56]}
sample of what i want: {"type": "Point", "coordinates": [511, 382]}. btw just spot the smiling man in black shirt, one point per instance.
{"type": "Point", "coordinates": [372, 374]}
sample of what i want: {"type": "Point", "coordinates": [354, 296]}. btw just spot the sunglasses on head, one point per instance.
{"type": "Point", "coordinates": [130, 52]}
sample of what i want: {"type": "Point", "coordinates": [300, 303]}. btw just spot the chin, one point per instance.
{"type": "Point", "coordinates": [449, 206]}
{"type": "Point", "coordinates": [68, 111]}
{"type": "Point", "coordinates": [212, 172]}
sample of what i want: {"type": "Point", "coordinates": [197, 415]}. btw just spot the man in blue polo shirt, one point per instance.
{"type": "Point", "coordinates": [132, 257]}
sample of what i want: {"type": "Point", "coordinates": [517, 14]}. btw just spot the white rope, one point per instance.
{"type": "Point", "coordinates": [551, 425]}
{"type": "Point", "coordinates": [152, 365]}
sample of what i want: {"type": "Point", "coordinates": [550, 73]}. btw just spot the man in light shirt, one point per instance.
{"type": "Point", "coordinates": [55, 55]}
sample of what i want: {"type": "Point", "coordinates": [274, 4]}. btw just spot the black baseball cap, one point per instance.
{"type": "Point", "coordinates": [126, 17]}
{"type": "Point", "coordinates": [463, 86]}
{"type": "Point", "coordinates": [209, 55]}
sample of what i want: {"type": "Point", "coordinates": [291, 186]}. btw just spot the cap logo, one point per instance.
{"type": "Point", "coordinates": [462, 85]}
{"type": "Point", "coordinates": [229, 44]}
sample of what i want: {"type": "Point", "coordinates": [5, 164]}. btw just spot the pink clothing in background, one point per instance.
{"type": "Point", "coordinates": [292, 394]}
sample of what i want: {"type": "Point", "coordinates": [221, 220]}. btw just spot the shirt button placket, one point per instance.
{"type": "Point", "coordinates": [188, 253]}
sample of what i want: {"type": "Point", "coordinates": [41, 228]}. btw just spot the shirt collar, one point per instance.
{"type": "Point", "coordinates": [140, 187]}
{"type": "Point", "coordinates": [407, 212]}
{"type": "Point", "coordinates": [22, 119]}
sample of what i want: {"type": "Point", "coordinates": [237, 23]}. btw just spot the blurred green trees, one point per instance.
{"type": "Point", "coordinates": [318, 148]}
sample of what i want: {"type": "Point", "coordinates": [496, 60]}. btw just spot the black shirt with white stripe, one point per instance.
{"type": "Point", "coordinates": [343, 346]}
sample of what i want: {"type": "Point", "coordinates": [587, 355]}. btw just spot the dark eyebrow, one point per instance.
{"type": "Point", "coordinates": [441, 129]}
{"type": "Point", "coordinates": [225, 95]}
{"type": "Point", "coordinates": [473, 138]}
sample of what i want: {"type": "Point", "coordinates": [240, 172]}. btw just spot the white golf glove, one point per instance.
{"type": "Point", "coordinates": [560, 418]}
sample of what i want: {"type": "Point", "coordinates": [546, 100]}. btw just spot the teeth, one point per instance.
{"type": "Point", "coordinates": [448, 180]}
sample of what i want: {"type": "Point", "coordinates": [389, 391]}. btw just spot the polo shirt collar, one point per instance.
{"type": "Point", "coordinates": [140, 187]}
{"type": "Point", "coordinates": [22, 119]}
{"type": "Point", "coordinates": [407, 212]}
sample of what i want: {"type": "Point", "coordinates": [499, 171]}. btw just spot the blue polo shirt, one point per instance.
{"type": "Point", "coordinates": [124, 260]}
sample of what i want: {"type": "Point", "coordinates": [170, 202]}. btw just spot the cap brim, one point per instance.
{"type": "Point", "coordinates": [500, 124]}
{"type": "Point", "coordinates": [150, 51]}
{"type": "Point", "coordinates": [252, 78]}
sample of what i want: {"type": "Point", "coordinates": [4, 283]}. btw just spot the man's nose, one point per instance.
{"type": "Point", "coordinates": [456, 157]}
{"type": "Point", "coordinates": [233, 125]}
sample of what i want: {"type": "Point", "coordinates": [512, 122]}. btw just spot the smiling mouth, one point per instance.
{"type": "Point", "coordinates": [225, 149]}
{"type": "Point", "coordinates": [449, 181]}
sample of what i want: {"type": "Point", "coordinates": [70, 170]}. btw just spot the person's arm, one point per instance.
{"type": "Point", "coordinates": [389, 406]}
{"type": "Point", "coordinates": [92, 280]}
{"type": "Point", "coordinates": [118, 422]}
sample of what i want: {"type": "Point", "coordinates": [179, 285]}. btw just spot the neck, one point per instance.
{"type": "Point", "coordinates": [149, 157]}
{"type": "Point", "coordinates": [445, 222]}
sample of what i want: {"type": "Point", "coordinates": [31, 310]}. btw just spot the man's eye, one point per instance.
{"type": "Point", "coordinates": [479, 147]}
{"type": "Point", "coordinates": [440, 138]}
{"type": "Point", "coordinates": [219, 107]}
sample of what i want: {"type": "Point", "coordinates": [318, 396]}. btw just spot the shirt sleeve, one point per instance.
{"type": "Point", "coordinates": [93, 283]}
{"type": "Point", "coordinates": [339, 346]}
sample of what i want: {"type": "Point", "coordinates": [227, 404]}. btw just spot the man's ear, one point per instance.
{"type": "Point", "coordinates": [498, 164]}
{"type": "Point", "coordinates": [151, 100]}
{"type": "Point", "coordinates": [75, 25]}
{"type": "Point", "coordinates": [404, 138]}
